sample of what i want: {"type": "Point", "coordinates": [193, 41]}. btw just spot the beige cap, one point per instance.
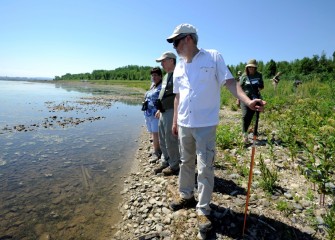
{"type": "Point", "coordinates": [166, 55]}
{"type": "Point", "coordinates": [184, 28]}
{"type": "Point", "coordinates": [252, 63]}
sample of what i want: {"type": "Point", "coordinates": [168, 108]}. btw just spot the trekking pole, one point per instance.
{"type": "Point", "coordinates": [251, 168]}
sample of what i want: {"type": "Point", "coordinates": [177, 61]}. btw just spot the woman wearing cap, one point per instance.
{"type": "Point", "coordinates": [251, 82]}
{"type": "Point", "coordinates": [150, 110]}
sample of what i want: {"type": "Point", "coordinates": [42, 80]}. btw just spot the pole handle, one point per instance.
{"type": "Point", "coordinates": [255, 133]}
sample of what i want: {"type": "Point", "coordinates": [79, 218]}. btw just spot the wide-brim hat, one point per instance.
{"type": "Point", "coordinates": [252, 63]}
{"type": "Point", "coordinates": [166, 55]}
{"type": "Point", "coordinates": [184, 28]}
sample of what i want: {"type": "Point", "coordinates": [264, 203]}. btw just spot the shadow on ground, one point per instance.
{"type": "Point", "coordinates": [230, 223]}
{"type": "Point", "coordinates": [227, 187]}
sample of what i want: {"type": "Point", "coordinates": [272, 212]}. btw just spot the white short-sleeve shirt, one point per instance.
{"type": "Point", "coordinates": [198, 84]}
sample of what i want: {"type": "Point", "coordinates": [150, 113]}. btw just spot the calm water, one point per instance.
{"type": "Point", "coordinates": [63, 155]}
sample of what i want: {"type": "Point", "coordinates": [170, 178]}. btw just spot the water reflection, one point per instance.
{"type": "Point", "coordinates": [63, 182]}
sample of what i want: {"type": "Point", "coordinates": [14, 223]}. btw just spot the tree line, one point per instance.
{"type": "Point", "coordinates": [130, 72]}
{"type": "Point", "coordinates": [302, 69]}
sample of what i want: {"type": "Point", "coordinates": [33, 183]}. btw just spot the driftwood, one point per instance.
{"type": "Point", "coordinates": [149, 236]}
{"type": "Point", "coordinates": [86, 177]}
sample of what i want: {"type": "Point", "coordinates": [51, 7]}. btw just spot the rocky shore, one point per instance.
{"type": "Point", "coordinates": [292, 212]}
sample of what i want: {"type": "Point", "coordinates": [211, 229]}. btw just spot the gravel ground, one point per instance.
{"type": "Point", "coordinates": [291, 212]}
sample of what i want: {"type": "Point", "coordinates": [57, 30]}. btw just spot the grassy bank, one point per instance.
{"type": "Point", "coordinates": [301, 122]}
{"type": "Point", "coordinates": [127, 83]}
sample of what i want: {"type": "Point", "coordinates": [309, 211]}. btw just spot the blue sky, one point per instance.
{"type": "Point", "coordinates": [45, 38]}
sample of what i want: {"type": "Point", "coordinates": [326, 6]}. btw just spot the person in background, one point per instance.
{"type": "Point", "coordinates": [197, 79]}
{"type": "Point", "coordinates": [168, 142]}
{"type": "Point", "coordinates": [239, 73]}
{"type": "Point", "coordinates": [251, 82]}
{"type": "Point", "coordinates": [150, 110]}
{"type": "Point", "coordinates": [296, 83]}
{"type": "Point", "coordinates": [275, 80]}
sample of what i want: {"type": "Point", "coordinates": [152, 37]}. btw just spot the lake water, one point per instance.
{"type": "Point", "coordinates": [64, 150]}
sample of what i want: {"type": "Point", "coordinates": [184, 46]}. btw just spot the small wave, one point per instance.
{"type": "Point", "coordinates": [2, 162]}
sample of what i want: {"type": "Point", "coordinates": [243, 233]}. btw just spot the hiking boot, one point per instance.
{"type": "Point", "coordinates": [159, 169]}
{"type": "Point", "coordinates": [169, 171]}
{"type": "Point", "coordinates": [153, 160]}
{"type": "Point", "coordinates": [183, 203]}
{"type": "Point", "coordinates": [245, 138]}
{"type": "Point", "coordinates": [154, 157]}
{"type": "Point", "coordinates": [204, 223]}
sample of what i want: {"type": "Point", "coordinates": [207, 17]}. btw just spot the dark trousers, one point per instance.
{"type": "Point", "coordinates": [247, 115]}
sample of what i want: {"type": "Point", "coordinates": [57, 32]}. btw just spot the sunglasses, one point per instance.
{"type": "Point", "coordinates": [177, 41]}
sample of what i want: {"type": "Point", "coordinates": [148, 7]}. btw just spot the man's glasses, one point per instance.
{"type": "Point", "coordinates": [177, 41]}
{"type": "Point", "coordinates": [165, 59]}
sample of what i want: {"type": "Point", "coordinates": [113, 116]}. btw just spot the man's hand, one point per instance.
{"type": "Point", "coordinates": [175, 129]}
{"type": "Point", "coordinates": [157, 114]}
{"type": "Point", "coordinates": [175, 115]}
{"type": "Point", "coordinates": [257, 105]}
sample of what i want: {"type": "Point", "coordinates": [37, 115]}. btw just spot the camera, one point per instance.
{"type": "Point", "coordinates": [145, 105]}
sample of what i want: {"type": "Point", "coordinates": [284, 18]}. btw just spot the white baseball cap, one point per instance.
{"type": "Point", "coordinates": [183, 28]}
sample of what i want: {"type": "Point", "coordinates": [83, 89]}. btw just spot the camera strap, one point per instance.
{"type": "Point", "coordinates": [166, 80]}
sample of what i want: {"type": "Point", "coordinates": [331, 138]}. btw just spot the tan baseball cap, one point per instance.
{"type": "Point", "coordinates": [184, 28]}
{"type": "Point", "coordinates": [166, 55]}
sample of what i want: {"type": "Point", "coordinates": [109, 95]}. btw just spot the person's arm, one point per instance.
{"type": "Point", "coordinates": [175, 115]}
{"type": "Point", "coordinates": [236, 90]}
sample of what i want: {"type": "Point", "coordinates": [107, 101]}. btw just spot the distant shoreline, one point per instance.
{"type": "Point", "coordinates": [25, 79]}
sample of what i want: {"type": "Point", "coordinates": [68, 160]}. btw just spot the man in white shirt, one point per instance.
{"type": "Point", "coordinates": [197, 79]}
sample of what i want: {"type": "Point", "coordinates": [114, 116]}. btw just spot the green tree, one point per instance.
{"type": "Point", "coordinates": [284, 67]}
{"type": "Point", "coordinates": [270, 69]}
{"type": "Point", "coordinates": [306, 69]}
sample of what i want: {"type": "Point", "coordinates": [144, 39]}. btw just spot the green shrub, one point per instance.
{"type": "Point", "coordinates": [329, 220]}
{"type": "Point", "coordinates": [228, 137]}
{"type": "Point", "coordinates": [269, 178]}
{"type": "Point", "coordinates": [284, 207]}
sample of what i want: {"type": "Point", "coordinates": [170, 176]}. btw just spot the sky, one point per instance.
{"type": "Point", "coordinates": [48, 38]}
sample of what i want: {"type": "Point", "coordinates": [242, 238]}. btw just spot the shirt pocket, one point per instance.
{"type": "Point", "coordinates": [206, 73]}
